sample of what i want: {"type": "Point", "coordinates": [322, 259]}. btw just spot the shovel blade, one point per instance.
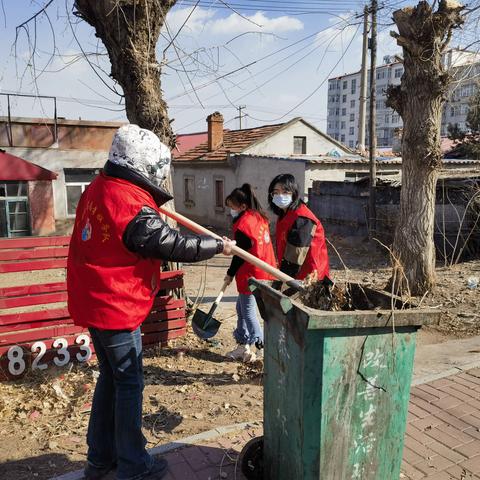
{"type": "Point", "coordinates": [204, 325]}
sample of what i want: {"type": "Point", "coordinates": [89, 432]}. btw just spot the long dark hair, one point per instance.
{"type": "Point", "coordinates": [245, 195]}
{"type": "Point", "coordinates": [289, 184]}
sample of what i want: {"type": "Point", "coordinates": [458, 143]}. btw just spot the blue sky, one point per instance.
{"type": "Point", "coordinates": [281, 61]}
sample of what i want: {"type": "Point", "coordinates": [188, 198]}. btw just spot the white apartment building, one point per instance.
{"type": "Point", "coordinates": [344, 99]}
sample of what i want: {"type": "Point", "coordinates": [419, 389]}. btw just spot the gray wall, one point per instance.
{"type": "Point", "coordinates": [257, 171]}
{"type": "Point", "coordinates": [343, 209]}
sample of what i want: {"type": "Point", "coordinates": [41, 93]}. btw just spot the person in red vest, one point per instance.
{"type": "Point", "coordinates": [118, 244]}
{"type": "Point", "coordinates": [300, 239]}
{"type": "Point", "coordinates": [252, 233]}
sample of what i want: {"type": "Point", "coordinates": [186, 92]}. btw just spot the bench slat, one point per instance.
{"type": "Point", "coordinates": [28, 254]}
{"type": "Point", "coordinates": [31, 242]}
{"type": "Point", "coordinates": [33, 289]}
{"type": "Point", "coordinates": [38, 334]}
{"type": "Point", "coordinates": [162, 326]}
{"type": "Point", "coordinates": [158, 317]}
{"type": "Point", "coordinates": [34, 265]}
{"type": "Point", "coordinates": [39, 299]}
{"type": "Point", "coordinates": [24, 317]}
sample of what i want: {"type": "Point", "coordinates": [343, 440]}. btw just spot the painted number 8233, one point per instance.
{"type": "Point", "coordinates": [17, 364]}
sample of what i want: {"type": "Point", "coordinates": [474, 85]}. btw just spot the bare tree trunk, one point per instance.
{"type": "Point", "coordinates": [424, 36]}
{"type": "Point", "coordinates": [129, 29]}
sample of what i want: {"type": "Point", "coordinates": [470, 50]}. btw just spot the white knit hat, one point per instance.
{"type": "Point", "coordinates": [140, 150]}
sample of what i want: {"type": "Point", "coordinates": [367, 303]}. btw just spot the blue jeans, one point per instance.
{"type": "Point", "coordinates": [248, 329]}
{"type": "Point", "coordinates": [115, 428]}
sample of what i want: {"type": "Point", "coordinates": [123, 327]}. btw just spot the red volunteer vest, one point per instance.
{"type": "Point", "coordinates": [317, 257]}
{"type": "Point", "coordinates": [109, 287]}
{"type": "Point", "coordinates": [255, 227]}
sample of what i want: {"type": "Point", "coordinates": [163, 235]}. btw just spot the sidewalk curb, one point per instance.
{"type": "Point", "coordinates": [445, 373]}
{"type": "Point", "coordinates": [184, 442]}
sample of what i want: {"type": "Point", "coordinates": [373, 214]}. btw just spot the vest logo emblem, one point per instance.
{"type": "Point", "coordinates": [87, 231]}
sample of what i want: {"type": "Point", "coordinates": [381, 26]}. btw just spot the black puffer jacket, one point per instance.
{"type": "Point", "coordinates": [150, 237]}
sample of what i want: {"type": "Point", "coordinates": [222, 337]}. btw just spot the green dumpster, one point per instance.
{"type": "Point", "coordinates": [336, 385]}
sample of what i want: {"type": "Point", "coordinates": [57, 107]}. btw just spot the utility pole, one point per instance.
{"type": "Point", "coordinates": [362, 111]}
{"type": "Point", "coordinates": [240, 115]}
{"type": "Point", "coordinates": [373, 118]}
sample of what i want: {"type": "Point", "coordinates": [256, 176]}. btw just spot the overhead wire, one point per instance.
{"type": "Point", "coordinates": [316, 89]}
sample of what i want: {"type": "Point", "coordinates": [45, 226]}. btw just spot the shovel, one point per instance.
{"type": "Point", "coordinates": [248, 257]}
{"type": "Point", "coordinates": [203, 324]}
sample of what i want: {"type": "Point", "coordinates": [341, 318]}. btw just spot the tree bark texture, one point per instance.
{"type": "Point", "coordinates": [129, 29]}
{"type": "Point", "coordinates": [424, 36]}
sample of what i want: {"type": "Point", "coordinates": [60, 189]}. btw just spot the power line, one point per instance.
{"type": "Point", "coordinates": [328, 10]}
{"type": "Point", "coordinates": [254, 62]}
{"type": "Point", "coordinates": [316, 89]}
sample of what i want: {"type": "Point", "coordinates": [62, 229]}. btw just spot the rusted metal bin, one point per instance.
{"type": "Point", "coordinates": [336, 385]}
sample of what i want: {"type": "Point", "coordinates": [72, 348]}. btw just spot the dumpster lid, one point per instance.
{"type": "Point", "coordinates": [383, 316]}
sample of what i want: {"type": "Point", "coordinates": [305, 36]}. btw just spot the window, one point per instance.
{"type": "Point", "coordinates": [354, 85]}
{"type": "Point", "coordinates": [344, 111]}
{"type": "Point", "coordinates": [344, 99]}
{"type": "Point", "coordinates": [381, 74]}
{"type": "Point", "coordinates": [219, 194]}
{"type": "Point", "coordinates": [189, 190]}
{"type": "Point", "coordinates": [342, 125]}
{"type": "Point", "coordinates": [337, 111]}
{"type": "Point", "coordinates": [335, 136]}
{"type": "Point", "coordinates": [455, 111]}
{"type": "Point", "coordinates": [351, 144]}
{"type": "Point", "coordinates": [395, 118]}
{"type": "Point", "coordinates": [352, 117]}
{"type": "Point", "coordinates": [351, 131]}
{"type": "Point", "coordinates": [398, 72]}
{"type": "Point", "coordinates": [352, 103]}
{"type": "Point", "coordinates": [467, 90]}
{"type": "Point", "coordinates": [300, 145]}
{"type": "Point", "coordinates": [76, 180]}
{"type": "Point", "coordinates": [345, 84]}
{"type": "Point", "coordinates": [336, 124]}
{"type": "Point", "coordinates": [14, 211]}
{"type": "Point", "coordinates": [342, 138]}
{"type": "Point", "coordinates": [354, 176]}
{"type": "Point", "coordinates": [330, 125]}
{"type": "Point", "coordinates": [387, 118]}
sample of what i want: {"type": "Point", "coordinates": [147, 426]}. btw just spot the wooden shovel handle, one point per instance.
{"type": "Point", "coordinates": [248, 257]}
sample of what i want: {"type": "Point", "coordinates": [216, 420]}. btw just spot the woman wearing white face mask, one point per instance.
{"type": "Point", "coordinates": [300, 239]}
{"type": "Point", "coordinates": [251, 232]}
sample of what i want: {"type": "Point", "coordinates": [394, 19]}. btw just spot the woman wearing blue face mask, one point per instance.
{"type": "Point", "coordinates": [251, 232]}
{"type": "Point", "coordinates": [300, 239]}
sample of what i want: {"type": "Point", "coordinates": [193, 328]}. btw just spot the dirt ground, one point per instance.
{"type": "Point", "coordinates": [190, 386]}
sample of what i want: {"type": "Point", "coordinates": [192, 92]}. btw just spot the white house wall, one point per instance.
{"type": "Point", "coordinates": [203, 210]}
{"type": "Point", "coordinates": [259, 172]}
{"type": "Point", "coordinates": [281, 143]}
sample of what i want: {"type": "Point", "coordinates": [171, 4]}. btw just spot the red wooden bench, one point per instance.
{"type": "Point", "coordinates": [36, 330]}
